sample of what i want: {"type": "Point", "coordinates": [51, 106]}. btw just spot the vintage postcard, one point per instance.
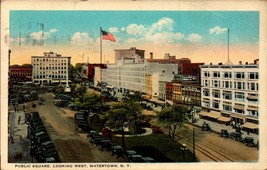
{"type": "Point", "coordinates": [133, 84]}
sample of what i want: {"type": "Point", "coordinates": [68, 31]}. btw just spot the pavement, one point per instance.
{"type": "Point", "coordinates": [18, 131]}
{"type": "Point", "coordinates": [217, 127]}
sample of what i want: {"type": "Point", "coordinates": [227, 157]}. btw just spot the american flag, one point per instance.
{"type": "Point", "coordinates": [108, 36]}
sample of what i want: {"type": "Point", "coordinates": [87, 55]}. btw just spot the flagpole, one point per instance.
{"type": "Point", "coordinates": [100, 45]}
{"type": "Point", "coordinates": [228, 31]}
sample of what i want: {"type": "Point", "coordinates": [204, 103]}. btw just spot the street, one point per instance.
{"type": "Point", "coordinates": [71, 145]}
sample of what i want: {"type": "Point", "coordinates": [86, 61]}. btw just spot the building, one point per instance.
{"type": "Point", "coordinates": [231, 93]}
{"type": "Point", "coordinates": [50, 68]}
{"type": "Point", "coordinates": [89, 72]}
{"type": "Point", "coordinates": [132, 74]}
{"type": "Point", "coordinates": [121, 54]}
{"type": "Point", "coordinates": [21, 73]}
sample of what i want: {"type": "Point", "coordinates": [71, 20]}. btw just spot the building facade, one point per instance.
{"type": "Point", "coordinates": [121, 54]}
{"type": "Point", "coordinates": [233, 91]}
{"type": "Point", "coordinates": [50, 68]}
{"type": "Point", "coordinates": [20, 73]}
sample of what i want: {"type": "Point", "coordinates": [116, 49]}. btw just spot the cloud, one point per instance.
{"type": "Point", "coordinates": [217, 30]}
{"type": "Point", "coordinates": [163, 24]}
{"type": "Point", "coordinates": [53, 30]}
{"type": "Point", "coordinates": [194, 37]}
{"type": "Point", "coordinates": [113, 29]}
{"type": "Point", "coordinates": [123, 28]}
{"type": "Point", "coordinates": [164, 37]}
{"type": "Point", "coordinates": [81, 38]}
{"type": "Point", "coordinates": [42, 35]}
{"type": "Point", "coordinates": [134, 29]}
{"type": "Point", "coordinates": [132, 41]}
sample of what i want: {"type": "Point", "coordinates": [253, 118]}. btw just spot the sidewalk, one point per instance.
{"type": "Point", "coordinates": [216, 127]}
{"type": "Point", "coordinates": [20, 142]}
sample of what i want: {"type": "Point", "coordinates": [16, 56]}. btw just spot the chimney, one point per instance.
{"type": "Point", "coordinates": [246, 63]}
{"type": "Point", "coordinates": [210, 63]}
{"type": "Point", "coordinates": [240, 62]}
{"type": "Point", "coordinates": [151, 55]}
{"type": "Point", "coordinates": [220, 63]}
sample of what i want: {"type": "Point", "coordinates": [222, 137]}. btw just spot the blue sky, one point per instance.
{"type": "Point", "coordinates": [244, 26]}
{"type": "Point", "coordinates": [134, 28]}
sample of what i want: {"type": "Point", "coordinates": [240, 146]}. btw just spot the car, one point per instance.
{"type": "Point", "coordinates": [117, 150]}
{"type": "Point", "coordinates": [236, 136]}
{"type": "Point", "coordinates": [224, 133]}
{"type": "Point", "coordinates": [135, 158]}
{"type": "Point", "coordinates": [128, 153]}
{"type": "Point", "coordinates": [104, 145]}
{"type": "Point", "coordinates": [249, 141]}
{"type": "Point", "coordinates": [82, 127]}
{"type": "Point", "coordinates": [147, 159]}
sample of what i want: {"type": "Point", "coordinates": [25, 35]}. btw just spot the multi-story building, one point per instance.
{"type": "Point", "coordinates": [50, 68]}
{"type": "Point", "coordinates": [133, 74]}
{"type": "Point", "coordinates": [131, 53]}
{"type": "Point", "coordinates": [21, 73]}
{"type": "Point", "coordinates": [232, 92]}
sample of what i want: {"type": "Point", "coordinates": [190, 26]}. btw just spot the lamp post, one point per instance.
{"type": "Point", "coordinates": [183, 148]}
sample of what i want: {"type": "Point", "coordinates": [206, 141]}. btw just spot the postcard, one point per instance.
{"type": "Point", "coordinates": [133, 84]}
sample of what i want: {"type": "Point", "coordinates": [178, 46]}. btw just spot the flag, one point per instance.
{"type": "Point", "coordinates": [108, 36]}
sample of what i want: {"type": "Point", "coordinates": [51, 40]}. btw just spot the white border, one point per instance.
{"type": "Point", "coordinates": [238, 5]}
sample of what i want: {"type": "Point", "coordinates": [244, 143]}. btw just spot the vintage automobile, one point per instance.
{"type": "Point", "coordinates": [117, 150]}
{"type": "Point", "coordinates": [236, 136]}
{"type": "Point", "coordinates": [224, 133]}
{"type": "Point", "coordinates": [249, 141]}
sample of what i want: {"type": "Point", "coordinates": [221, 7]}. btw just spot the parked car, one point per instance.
{"type": "Point", "coordinates": [249, 141]}
{"type": "Point", "coordinates": [147, 159]}
{"type": "Point", "coordinates": [117, 150]}
{"type": "Point", "coordinates": [224, 133]}
{"type": "Point", "coordinates": [236, 136]}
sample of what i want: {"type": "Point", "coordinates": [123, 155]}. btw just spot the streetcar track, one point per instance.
{"type": "Point", "coordinates": [206, 150]}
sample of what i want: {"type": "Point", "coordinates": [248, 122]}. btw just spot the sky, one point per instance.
{"type": "Point", "coordinates": [201, 36]}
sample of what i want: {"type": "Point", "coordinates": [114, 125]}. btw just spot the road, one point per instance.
{"type": "Point", "coordinates": [210, 147]}
{"type": "Point", "coordinates": [72, 146]}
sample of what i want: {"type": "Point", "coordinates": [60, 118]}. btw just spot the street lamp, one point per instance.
{"type": "Point", "coordinates": [183, 148]}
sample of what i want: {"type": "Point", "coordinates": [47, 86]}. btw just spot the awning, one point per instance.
{"type": "Point", "coordinates": [206, 100]}
{"type": "Point", "coordinates": [249, 97]}
{"type": "Point", "coordinates": [202, 113]}
{"type": "Point", "coordinates": [250, 125]}
{"type": "Point", "coordinates": [252, 108]}
{"type": "Point", "coordinates": [170, 102]}
{"type": "Point", "coordinates": [239, 107]}
{"type": "Point", "coordinates": [238, 116]}
{"type": "Point", "coordinates": [229, 113]}
{"type": "Point", "coordinates": [213, 114]}
{"type": "Point", "coordinates": [224, 119]}
{"type": "Point", "coordinates": [252, 118]}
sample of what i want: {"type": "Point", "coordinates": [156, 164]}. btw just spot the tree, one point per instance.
{"type": "Point", "coordinates": [122, 115]}
{"type": "Point", "coordinates": [173, 117]}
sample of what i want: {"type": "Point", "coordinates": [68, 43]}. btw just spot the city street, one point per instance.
{"type": "Point", "coordinates": [71, 145]}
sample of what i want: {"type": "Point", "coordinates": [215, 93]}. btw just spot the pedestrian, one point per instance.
{"type": "Point", "coordinates": [233, 124]}
{"type": "Point", "coordinates": [248, 131]}
{"type": "Point", "coordinates": [19, 119]}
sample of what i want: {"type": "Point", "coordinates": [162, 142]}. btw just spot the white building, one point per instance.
{"type": "Point", "coordinates": [232, 91]}
{"type": "Point", "coordinates": [128, 76]}
{"type": "Point", "coordinates": [50, 68]}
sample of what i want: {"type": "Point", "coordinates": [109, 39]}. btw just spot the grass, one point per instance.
{"type": "Point", "coordinates": [157, 146]}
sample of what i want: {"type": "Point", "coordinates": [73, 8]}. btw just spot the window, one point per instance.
{"type": "Point", "coordinates": [252, 86]}
{"type": "Point", "coordinates": [239, 97]}
{"type": "Point", "coordinates": [239, 75]}
{"type": "Point", "coordinates": [253, 75]}
{"type": "Point", "coordinates": [227, 75]}
{"type": "Point", "coordinates": [227, 107]}
{"type": "Point", "coordinates": [206, 74]}
{"type": "Point", "coordinates": [239, 85]}
{"type": "Point", "coordinates": [216, 104]}
{"type": "Point", "coordinates": [216, 93]}
{"type": "Point", "coordinates": [206, 92]}
{"type": "Point", "coordinates": [216, 74]}
{"type": "Point", "coordinates": [227, 95]}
